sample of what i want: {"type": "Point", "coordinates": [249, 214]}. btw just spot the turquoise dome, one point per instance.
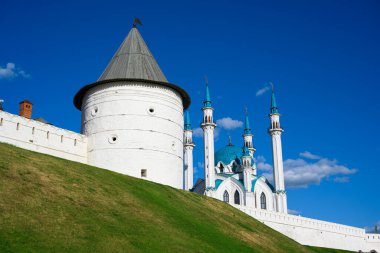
{"type": "Point", "coordinates": [227, 154]}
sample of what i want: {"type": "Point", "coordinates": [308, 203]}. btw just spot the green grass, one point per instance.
{"type": "Point", "coordinates": [49, 204]}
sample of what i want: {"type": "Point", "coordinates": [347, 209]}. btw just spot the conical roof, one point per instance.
{"type": "Point", "coordinates": [133, 60]}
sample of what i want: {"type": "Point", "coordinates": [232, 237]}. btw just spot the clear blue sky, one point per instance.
{"type": "Point", "coordinates": [323, 57]}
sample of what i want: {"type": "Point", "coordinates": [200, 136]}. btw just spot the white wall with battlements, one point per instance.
{"type": "Point", "coordinates": [44, 138]}
{"type": "Point", "coordinates": [314, 232]}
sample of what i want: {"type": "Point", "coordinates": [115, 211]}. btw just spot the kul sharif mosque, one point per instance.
{"type": "Point", "coordinates": [231, 173]}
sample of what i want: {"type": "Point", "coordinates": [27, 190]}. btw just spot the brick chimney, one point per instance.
{"type": "Point", "coordinates": [26, 109]}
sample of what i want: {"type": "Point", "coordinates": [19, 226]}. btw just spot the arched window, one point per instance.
{"type": "Point", "coordinates": [47, 134]}
{"type": "Point", "coordinates": [226, 197]}
{"type": "Point", "coordinates": [263, 201]}
{"type": "Point", "coordinates": [221, 168]}
{"type": "Point", "coordinates": [18, 126]}
{"type": "Point", "coordinates": [237, 198]}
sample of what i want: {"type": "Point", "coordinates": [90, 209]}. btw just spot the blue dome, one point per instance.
{"type": "Point", "coordinates": [228, 154]}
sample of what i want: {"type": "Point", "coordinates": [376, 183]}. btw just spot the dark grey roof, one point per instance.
{"type": "Point", "coordinates": [133, 60]}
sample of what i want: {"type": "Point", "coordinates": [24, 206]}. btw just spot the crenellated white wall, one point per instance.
{"type": "Point", "coordinates": [44, 138]}
{"type": "Point", "coordinates": [318, 233]}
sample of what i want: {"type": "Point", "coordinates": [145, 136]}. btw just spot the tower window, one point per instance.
{"type": "Point", "coordinates": [94, 111]}
{"type": "Point", "coordinates": [1, 121]}
{"type": "Point", "coordinates": [33, 129]}
{"type": "Point", "coordinates": [263, 201]}
{"type": "Point", "coordinates": [61, 138]}
{"type": "Point", "coordinates": [237, 198]}
{"type": "Point", "coordinates": [47, 135]}
{"type": "Point", "coordinates": [151, 110]}
{"type": "Point", "coordinates": [113, 139]}
{"type": "Point", "coordinates": [143, 173]}
{"type": "Point", "coordinates": [226, 197]}
{"type": "Point", "coordinates": [18, 126]}
{"type": "Point", "coordinates": [75, 142]}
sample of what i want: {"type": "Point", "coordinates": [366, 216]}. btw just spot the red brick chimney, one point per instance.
{"type": "Point", "coordinates": [26, 109]}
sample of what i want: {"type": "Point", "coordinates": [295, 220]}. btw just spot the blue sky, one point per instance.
{"type": "Point", "coordinates": [323, 57]}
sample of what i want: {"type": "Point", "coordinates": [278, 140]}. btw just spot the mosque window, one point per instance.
{"type": "Point", "coordinates": [18, 126]}
{"type": "Point", "coordinates": [237, 198]}
{"type": "Point", "coordinates": [33, 129]}
{"type": "Point", "coordinates": [1, 121]}
{"type": "Point", "coordinates": [47, 135]}
{"type": "Point", "coordinates": [75, 142]}
{"type": "Point", "coordinates": [263, 201]}
{"type": "Point", "coordinates": [226, 197]}
{"type": "Point", "coordinates": [143, 173]}
{"type": "Point", "coordinates": [61, 138]}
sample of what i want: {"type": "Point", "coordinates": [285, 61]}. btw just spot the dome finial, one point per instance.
{"type": "Point", "coordinates": [136, 22]}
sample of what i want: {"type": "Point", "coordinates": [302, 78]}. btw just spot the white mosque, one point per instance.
{"type": "Point", "coordinates": [133, 123]}
{"type": "Point", "coordinates": [230, 172]}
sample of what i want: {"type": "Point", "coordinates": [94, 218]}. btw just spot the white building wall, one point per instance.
{"type": "Point", "coordinates": [43, 138]}
{"type": "Point", "coordinates": [318, 233]}
{"type": "Point", "coordinates": [134, 126]}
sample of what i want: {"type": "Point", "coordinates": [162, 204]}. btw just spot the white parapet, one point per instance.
{"type": "Point", "coordinates": [43, 138]}
{"type": "Point", "coordinates": [314, 232]}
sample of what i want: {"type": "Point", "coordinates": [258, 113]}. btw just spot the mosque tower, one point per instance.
{"type": "Point", "coordinates": [247, 136]}
{"type": "Point", "coordinates": [188, 153]}
{"type": "Point", "coordinates": [275, 131]}
{"type": "Point", "coordinates": [208, 127]}
{"type": "Point", "coordinates": [133, 117]}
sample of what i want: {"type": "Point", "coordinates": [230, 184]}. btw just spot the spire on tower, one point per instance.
{"type": "Point", "coordinates": [273, 104]}
{"type": "Point", "coordinates": [207, 101]}
{"type": "Point", "coordinates": [187, 120]}
{"type": "Point", "coordinates": [247, 129]}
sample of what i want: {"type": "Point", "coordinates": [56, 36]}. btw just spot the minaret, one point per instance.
{"type": "Point", "coordinates": [247, 135]}
{"type": "Point", "coordinates": [208, 127]}
{"type": "Point", "coordinates": [275, 131]}
{"type": "Point", "coordinates": [188, 153]}
{"type": "Point", "coordinates": [247, 169]}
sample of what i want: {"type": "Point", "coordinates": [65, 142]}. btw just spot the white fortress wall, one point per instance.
{"type": "Point", "coordinates": [43, 138]}
{"type": "Point", "coordinates": [318, 233]}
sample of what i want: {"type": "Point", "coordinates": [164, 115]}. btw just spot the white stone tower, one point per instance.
{"type": "Point", "coordinates": [275, 131]}
{"type": "Point", "coordinates": [208, 127]}
{"type": "Point", "coordinates": [188, 153]}
{"type": "Point", "coordinates": [133, 117]}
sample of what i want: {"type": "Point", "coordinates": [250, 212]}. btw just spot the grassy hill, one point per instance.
{"type": "Point", "coordinates": [49, 204]}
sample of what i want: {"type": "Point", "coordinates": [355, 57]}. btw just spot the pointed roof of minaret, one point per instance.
{"type": "Point", "coordinates": [273, 104]}
{"type": "Point", "coordinates": [207, 101]}
{"type": "Point", "coordinates": [133, 60]}
{"type": "Point", "coordinates": [187, 121]}
{"type": "Point", "coordinates": [247, 129]}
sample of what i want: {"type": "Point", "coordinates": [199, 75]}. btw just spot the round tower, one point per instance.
{"type": "Point", "coordinates": [133, 117]}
